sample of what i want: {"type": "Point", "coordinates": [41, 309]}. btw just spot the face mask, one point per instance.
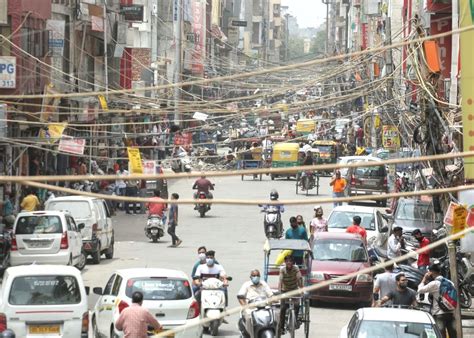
{"type": "Point", "coordinates": [319, 215]}
{"type": "Point", "coordinates": [403, 285]}
{"type": "Point", "coordinates": [202, 256]}
{"type": "Point", "coordinates": [255, 279]}
{"type": "Point", "coordinates": [210, 261]}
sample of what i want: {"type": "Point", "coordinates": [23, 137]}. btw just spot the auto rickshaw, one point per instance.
{"type": "Point", "coordinates": [324, 152]}
{"type": "Point", "coordinates": [285, 155]}
{"type": "Point", "coordinates": [305, 126]}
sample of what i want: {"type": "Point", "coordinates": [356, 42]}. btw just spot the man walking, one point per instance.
{"type": "Point", "coordinates": [338, 185]}
{"type": "Point", "coordinates": [134, 320]}
{"type": "Point", "coordinates": [173, 221]}
{"type": "Point", "coordinates": [423, 258]}
{"type": "Point", "coordinates": [431, 284]}
{"type": "Point", "coordinates": [384, 284]}
{"type": "Point", "coordinates": [403, 295]}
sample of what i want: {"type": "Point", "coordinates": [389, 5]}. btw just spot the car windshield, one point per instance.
{"type": "Point", "coordinates": [324, 149]}
{"type": "Point", "coordinates": [343, 219]}
{"type": "Point", "coordinates": [78, 209]}
{"type": "Point", "coordinates": [375, 171]}
{"type": "Point", "coordinates": [44, 290]}
{"type": "Point", "coordinates": [382, 329]}
{"type": "Point", "coordinates": [159, 288]}
{"type": "Point", "coordinates": [412, 211]}
{"type": "Point", "coordinates": [28, 225]}
{"type": "Point", "coordinates": [350, 250]}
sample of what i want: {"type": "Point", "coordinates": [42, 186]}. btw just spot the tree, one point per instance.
{"type": "Point", "coordinates": [318, 43]}
{"type": "Point", "coordinates": [295, 47]}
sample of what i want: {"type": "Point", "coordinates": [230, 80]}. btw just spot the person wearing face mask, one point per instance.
{"type": "Point", "coordinates": [209, 270]}
{"type": "Point", "coordinates": [201, 259]}
{"type": "Point", "coordinates": [423, 258]}
{"type": "Point", "coordinates": [251, 290]}
{"type": "Point", "coordinates": [318, 223]}
{"type": "Point", "coordinates": [297, 232]}
{"type": "Point", "coordinates": [403, 295]}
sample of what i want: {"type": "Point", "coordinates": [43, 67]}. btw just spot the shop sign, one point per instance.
{"type": "Point", "coordinates": [7, 72]}
{"type": "Point", "coordinates": [72, 145]}
{"type": "Point", "coordinates": [390, 137]}
{"type": "Point", "coordinates": [135, 159]}
{"type": "Point", "coordinates": [132, 12]}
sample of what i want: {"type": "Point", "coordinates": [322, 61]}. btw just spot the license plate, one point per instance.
{"type": "Point", "coordinates": [37, 244]}
{"type": "Point", "coordinates": [371, 183]}
{"type": "Point", "coordinates": [43, 329]}
{"type": "Point", "coordinates": [342, 287]}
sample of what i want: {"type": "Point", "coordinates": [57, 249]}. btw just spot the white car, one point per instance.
{"type": "Point", "coordinates": [47, 237]}
{"type": "Point", "coordinates": [44, 301]}
{"type": "Point", "coordinates": [98, 232]}
{"type": "Point", "coordinates": [373, 221]}
{"type": "Point", "coordinates": [376, 322]}
{"type": "Point", "coordinates": [167, 294]}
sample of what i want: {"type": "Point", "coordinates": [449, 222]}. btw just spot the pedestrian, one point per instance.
{"type": "Point", "coordinates": [403, 295]}
{"type": "Point", "coordinates": [142, 194]}
{"type": "Point", "coordinates": [395, 243]}
{"type": "Point", "coordinates": [423, 261]}
{"type": "Point", "coordinates": [30, 202]}
{"type": "Point", "coordinates": [318, 223]}
{"type": "Point", "coordinates": [8, 210]}
{"type": "Point", "coordinates": [300, 221]}
{"type": "Point", "coordinates": [296, 232]}
{"type": "Point", "coordinates": [131, 190]}
{"type": "Point", "coordinates": [384, 284]}
{"type": "Point", "coordinates": [173, 221]}
{"type": "Point", "coordinates": [120, 183]}
{"type": "Point", "coordinates": [356, 228]}
{"type": "Point", "coordinates": [338, 185]}
{"type": "Point", "coordinates": [431, 284]}
{"type": "Point", "coordinates": [135, 319]}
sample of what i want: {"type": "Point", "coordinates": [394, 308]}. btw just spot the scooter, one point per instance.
{"type": "Point", "coordinates": [272, 224]}
{"type": "Point", "coordinates": [263, 319]}
{"type": "Point", "coordinates": [213, 303]}
{"type": "Point", "coordinates": [181, 163]}
{"type": "Point", "coordinates": [155, 228]}
{"type": "Point", "coordinates": [202, 208]}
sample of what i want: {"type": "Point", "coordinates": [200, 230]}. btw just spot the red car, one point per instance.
{"type": "Point", "coordinates": [335, 255]}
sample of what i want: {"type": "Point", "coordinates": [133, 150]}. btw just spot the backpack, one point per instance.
{"type": "Point", "coordinates": [448, 296]}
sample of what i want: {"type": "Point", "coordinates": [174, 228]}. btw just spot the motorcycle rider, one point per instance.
{"type": "Point", "coordinates": [274, 198]}
{"type": "Point", "coordinates": [290, 279]}
{"type": "Point", "coordinates": [157, 207]}
{"type": "Point", "coordinates": [209, 270]}
{"type": "Point", "coordinates": [251, 290]}
{"type": "Point", "coordinates": [204, 185]}
{"type": "Point", "coordinates": [201, 259]}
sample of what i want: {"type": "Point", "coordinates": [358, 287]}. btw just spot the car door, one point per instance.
{"type": "Point", "coordinates": [104, 307]}
{"type": "Point", "coordinates": [102, 223]}
{"type": "Point", "coordinates": [108, 219]}
{"type": "Point", "coordinates": [382, 237]}
{"type": "Point", "coordinates": [74, 236]}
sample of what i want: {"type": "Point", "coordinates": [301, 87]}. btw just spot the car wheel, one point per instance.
{"type": "Point", "coordinates": [96, 256]}
{"type": "Point", "coordinates": [82, 261]}
{"type": "Point", "coordinates": [109, 254]}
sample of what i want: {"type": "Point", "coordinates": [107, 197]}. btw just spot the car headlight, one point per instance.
{"type": "Point", "coordinates": [317, 276]}
{"type": "Point", "coordinates": [364, 278]}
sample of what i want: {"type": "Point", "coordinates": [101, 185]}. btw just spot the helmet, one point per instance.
{"type": "Point", "coordinates": [274, 195]}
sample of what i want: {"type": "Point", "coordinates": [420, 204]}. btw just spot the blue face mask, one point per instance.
{"type": "Point", "coordinates": [255, 279]}
{"type": "Point", "coordinates": [210, 261]}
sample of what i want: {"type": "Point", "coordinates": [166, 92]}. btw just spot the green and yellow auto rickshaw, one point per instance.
{"type": "Point", "coordinates": [324, 152]}
{"type": "Point", "coordinates": [285, 155]}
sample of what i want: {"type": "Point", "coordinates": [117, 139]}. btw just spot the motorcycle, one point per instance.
{"type": "Point", "coordinates": [272, 222]}
{"type": "Point", "coordinates": [181, 163]}
{"type": "Point", "coordinates": [213, 303]}
{"type": "Point", "coordinates": [202, 208]}
{"type": "Point", "coordinates": [5, 246]}
{"type": "Point", "coordinates": [263, 319]}
{"type": "Point", "coordinates": [155, 228]}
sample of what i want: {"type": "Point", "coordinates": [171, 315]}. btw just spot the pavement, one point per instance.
{"type": "Point", "coordinates": [234, 232]}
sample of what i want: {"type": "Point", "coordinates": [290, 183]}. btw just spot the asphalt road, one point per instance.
{"type": "Point", "coordinates": [234, 232]}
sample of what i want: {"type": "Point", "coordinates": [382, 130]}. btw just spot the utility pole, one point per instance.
{"type": "Point", "coordinates": [454, 278]}
{"type": "Point", "coordinates": [178, 55]}
{"type": "Point", "coordinates": [327, 26]}
{"type": "Point", "coordinates": [106, 62]}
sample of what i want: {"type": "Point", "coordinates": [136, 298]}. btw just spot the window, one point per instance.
{"type": "Point", "coordinates": [116, 288]}
{"type": "Point", "coordinates": [340, 250]}
{"type": "Point", "coordinates": [71, 225]}
{"type": "Point", "coordinates": [44, 290]}
{"type": "Point", "coordinates": [108, 286]}
{"type": "Point", "coordinates": [28, 225]}
{"type": "Point", "coordinates": [343, 219]}
{"type": "Point", "coordinates": [159, 288]}
{"type": "Point", "coordinates": [382, 329]}
{"type": "Point", "coordinates": [78, 209]}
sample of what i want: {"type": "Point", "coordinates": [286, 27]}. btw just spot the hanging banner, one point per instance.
{"type": "Point", "coordinates": [466, 10]}
{"type": "Point", "coordinates": [390, 137]}
{"type": "Point", "coordinates": [53, 132]}
{"type": "Point", "coordinates": [135, 159]}
{"type": "Point", "coordinates": [72, 145]}
{"type": "Point", "coordinates": [49, 104]}
{"type": "Point", "coordinates": [103, 102]}
{"type": "Point", "coordinates": [199, 30]}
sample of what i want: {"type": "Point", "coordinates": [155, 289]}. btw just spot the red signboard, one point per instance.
{"type": "Point", "coordinates": [441, 23]}
{"type": "Point", "coordinates": [437, 6]}
{"type": "Point", "coordinates": [365, 36]}
{"type": "Point", "coordinates": [72, 145]}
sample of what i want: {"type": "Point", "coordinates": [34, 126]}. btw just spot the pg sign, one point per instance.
{"type": "Point", "coordinates": [7, 72]}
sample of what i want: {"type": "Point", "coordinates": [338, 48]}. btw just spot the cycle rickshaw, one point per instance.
{"type": "Point", "coordinates": [292, 319]}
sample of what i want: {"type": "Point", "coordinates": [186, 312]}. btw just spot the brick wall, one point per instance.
{"type": "Point", "coordinates": [141, 60]}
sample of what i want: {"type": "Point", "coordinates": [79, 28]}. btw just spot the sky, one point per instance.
{"type": "Point", "coordinates": [310, 13]}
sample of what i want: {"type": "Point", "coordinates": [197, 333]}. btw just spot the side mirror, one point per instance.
{"type": "Point", "coordinates": [81, 226]}
{"type": "Point", "coordinates": [88, 290]}
{"type": "Point", "coordinates": [384, 229]}
{"type": "Point", "coordinates": [98, 291]}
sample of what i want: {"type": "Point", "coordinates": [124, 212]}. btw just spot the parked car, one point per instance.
{"type": "Point", "coordinates": [44, 301]}
{"type": "Point", "coordinates": [98, 232]}
{"type": "Point", "coordinates": [166, 294]}
{"type": "Point", "coordinates": [368, 181]}
{"type": "Point", "coordinates": [382, 322]}
{"type": "Point", "coordinates": [353, 159]}
{"type": "Point", "coordinates": [373, 221]}
{"type": "Point", "coordinates": [335, 255]}
{"type": "Point", "coordinates": [47, 237]}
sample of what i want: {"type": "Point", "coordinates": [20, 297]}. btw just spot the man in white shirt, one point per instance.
{"type": "Point", "coordinates": [395, 243]}
{"type": "Point", "coordinates": [251, 290]}
{"type": "Point", "coordinates": [209, 270]}
{"type": "Point", "coordinates": [384, 284]}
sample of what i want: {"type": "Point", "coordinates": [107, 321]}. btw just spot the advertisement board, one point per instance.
{"type": "Point", "coordinates": [8, 72]}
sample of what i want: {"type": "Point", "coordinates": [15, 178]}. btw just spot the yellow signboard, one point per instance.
{"type": "Point", "coordinates": [390, 137]}
{"type": "Point", "coordinates": [459, 219]}
{"type": "Point", "coordinates": [54, 132]}
{"type": "Point", "coordinates": [135, 159]}
{"type": "Point", "coordinates": [103, 102]}
{"type": "Point", "coordinates": [466, 10]}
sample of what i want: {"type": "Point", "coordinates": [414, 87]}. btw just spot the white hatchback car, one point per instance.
{"type": "Point", "coordinates": [390, 322]}
{"type": "Point", "coordinates": [167, 294]}
{"type": "Point", "coordinates": [373, 221]}
{"type": "Point", "coordinates": [47, 237]}
{"type": "Point", "coordinates": [44, 301]}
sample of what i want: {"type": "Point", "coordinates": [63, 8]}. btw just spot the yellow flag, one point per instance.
{"type": "Point", "coordinates": [135, 159]}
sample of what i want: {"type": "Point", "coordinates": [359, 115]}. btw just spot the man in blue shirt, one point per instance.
{"type": "Point", "coordinates": [296, 232]}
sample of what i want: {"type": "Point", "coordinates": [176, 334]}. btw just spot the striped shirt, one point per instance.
{"type": "Point", "coordinates": [289, 279]}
